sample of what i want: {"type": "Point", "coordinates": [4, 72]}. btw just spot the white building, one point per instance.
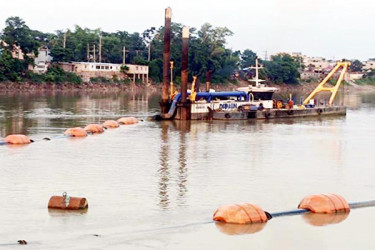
{"type": "Point", "coordinates": [87, 70]}
{"type": "Point", "coordinates": [42, 60]}
{"type": "Point", "coordinates": [369, 65]}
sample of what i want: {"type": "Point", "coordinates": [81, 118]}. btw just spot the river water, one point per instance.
{"type": "Point", "coordinates": [156, 185]}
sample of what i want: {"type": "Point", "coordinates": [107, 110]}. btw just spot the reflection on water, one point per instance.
{"type": "Point", "coordinates": [159, 176]}
{"type": "Point", "coordinates": [234, 229]}
{"type": "Point", "coordinates": [182, 128]}
{"type": "Point", "coordinates": [164, 167]}
{"type": "Point", "coordinates": [324, 219]}
{"type": "Point", "coordinates": [43, 112]}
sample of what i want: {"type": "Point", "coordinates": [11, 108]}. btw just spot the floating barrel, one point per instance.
{"type": "Point", "coordinates": [67, 203]}
{"type": "Point", "coordinates": [94, 128]}
{"type": "Point", "coordinates": [76, 132]}
{"type": "Point", "coordinates": [244, 213]}
{"type": "Point", "coordinates": [325, 204]}
{"type": "Point", "coordinates": [17, 139]}
{"type": "Point", "coordinates": [110, 124]}
{"type": "Point", "coordinates": [127, 120]}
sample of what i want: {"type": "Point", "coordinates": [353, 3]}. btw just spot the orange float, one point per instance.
{"type": "Point", "coordinates": [94, 128]}
{"type": "Point", "coordinates": [244, 213]}
{"type": "Point", "coordinates": [127, 120]}
{"type": "Point", "coordinates": [110, 124]}
{"type": "Point", "coordinates": [17, 139]}
{"type": "Point", "coordinates": [67, 203]}
{"type": "Point", "coordinates": [76, 132]}
{"type": "Point", "coordinates": [325, 204]}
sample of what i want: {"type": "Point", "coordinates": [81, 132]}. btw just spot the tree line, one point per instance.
{"type": "Point", "coordinates": [207, 53]}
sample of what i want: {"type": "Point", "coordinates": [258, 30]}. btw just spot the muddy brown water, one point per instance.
{"type": "Point", "coordinates": [155, 185]}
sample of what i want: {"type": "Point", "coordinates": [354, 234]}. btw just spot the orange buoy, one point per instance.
{"type": "Point", "coordinates": [17, 139]}
{"type": "Point", "coordinates": [244, 213]}
{"type": "Point", "coordinates": [76, 132]}
{"type": "Point", "coordinates": [94, 128]}
{"type": "Point", "coordinates": [67, 203]}
{"type": "Point", "coordinates": [110, 124]}
{"type": "Point", "coordinates": [127, 120]}
{"type": "Point", "coordinates": [325, 204]}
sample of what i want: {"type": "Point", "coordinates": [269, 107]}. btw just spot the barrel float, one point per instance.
{"type": "Point", "coordinates": [244, 213]}
{"type": "Point", "coordinates": [76, 132]}
{"type": "Point", "coordinates": [67, 203]}
{"type": "Point", "coordinates": [17, 139]}
{"type": "Point", "coordinates": [325, 204]}
{"type": "Point", "coordinates": [94, 128]}
{"type": "Point", "coordinates": [110, 124]}
{"type": "Point", "coordinates": [127, 120]}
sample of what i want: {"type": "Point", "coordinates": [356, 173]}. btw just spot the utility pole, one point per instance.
{"type": "Point", "coordinates": [149, 52]}
{"type": "Point", "coordinates": [64, 40]}
{"type": "Point", "coordinates": [88, 52]}
{"type": "Point", "coordinates": [123, 55]}
{"type": "Point", "coordinates": [100, 48]}
{"type": "Point", "coordinates": [94, 54]}
{"type": "Point", "coordinates": [266, 55]}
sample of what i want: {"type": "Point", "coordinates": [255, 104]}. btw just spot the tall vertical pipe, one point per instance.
{"type": "Point", "coordinates": [208, 80]}
{"type": "Point", "coordinates": [166, 59]}
{"type": "Point", "coordinates": [184, 72]}
{"type": "Point", "coordinates": [100, 48]}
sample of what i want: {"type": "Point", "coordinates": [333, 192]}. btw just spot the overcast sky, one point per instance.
{"type": "Point", "coordinates": [333, 29]}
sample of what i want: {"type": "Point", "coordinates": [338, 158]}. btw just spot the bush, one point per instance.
{"type": "Point", "coordinates": [56, 74]}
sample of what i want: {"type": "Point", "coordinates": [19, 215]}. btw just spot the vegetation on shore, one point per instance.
{"type": "Point", "coordinates": [207, 54]}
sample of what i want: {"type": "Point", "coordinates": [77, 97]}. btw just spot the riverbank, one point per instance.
{"type": "Point", "coordinates": [106, 87]}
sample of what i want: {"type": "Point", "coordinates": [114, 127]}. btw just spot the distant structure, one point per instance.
{"type": "Point", "coordinates": [369, 65]}
{"type": "Point", "coordinates": [87, 70]}
{"type": "Point", "coordinates": [42, 61]}
{"type": "Point", "coordinates": [319, 67]}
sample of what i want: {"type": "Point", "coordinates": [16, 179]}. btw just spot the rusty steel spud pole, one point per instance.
{"type": "Point", "coordinates": [166, 60]}
{"type": "Point", "coordinates": [184, 72]}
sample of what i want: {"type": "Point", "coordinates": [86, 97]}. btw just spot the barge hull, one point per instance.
{"type": "Point", "coordinates": [271, 113]}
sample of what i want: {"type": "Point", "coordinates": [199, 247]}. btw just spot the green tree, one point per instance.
{"type": "Point", "coordinates": [16, 32]}
{"type": "Point", "coordinates": [248, 58]}
{"type": "Point", "coordinates": [356, 66]}
{"type": "Point", "coordinates": [282, 68]}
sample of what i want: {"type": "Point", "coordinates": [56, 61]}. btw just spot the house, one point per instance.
{"type": "Point", "coordinates": [369, 65]}
{"type": "Point", "coordinates": [42, 61]}
{"type": "Point", "coordinates": [87, 70]}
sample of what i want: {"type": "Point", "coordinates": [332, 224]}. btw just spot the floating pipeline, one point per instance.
{"type": "Point", "coordinates": [19, 139]}
{"type": "Point", "coordinates": [318, 210]}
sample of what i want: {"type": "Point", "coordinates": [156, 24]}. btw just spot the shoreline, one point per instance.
{"type": "Point", "coordinates": [12, 87]}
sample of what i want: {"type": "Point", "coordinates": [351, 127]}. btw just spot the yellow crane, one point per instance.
{"type": "Point", "coordinates": [193, 93]}
{"type": "Point", "coordinates": [333, 89]}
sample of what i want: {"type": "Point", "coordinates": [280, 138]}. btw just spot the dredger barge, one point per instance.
{"type": "Point", "coordinates": [252, 102]}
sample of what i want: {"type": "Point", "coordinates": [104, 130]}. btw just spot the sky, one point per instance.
{"type": "Point", "coordinates": [333, 29]}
